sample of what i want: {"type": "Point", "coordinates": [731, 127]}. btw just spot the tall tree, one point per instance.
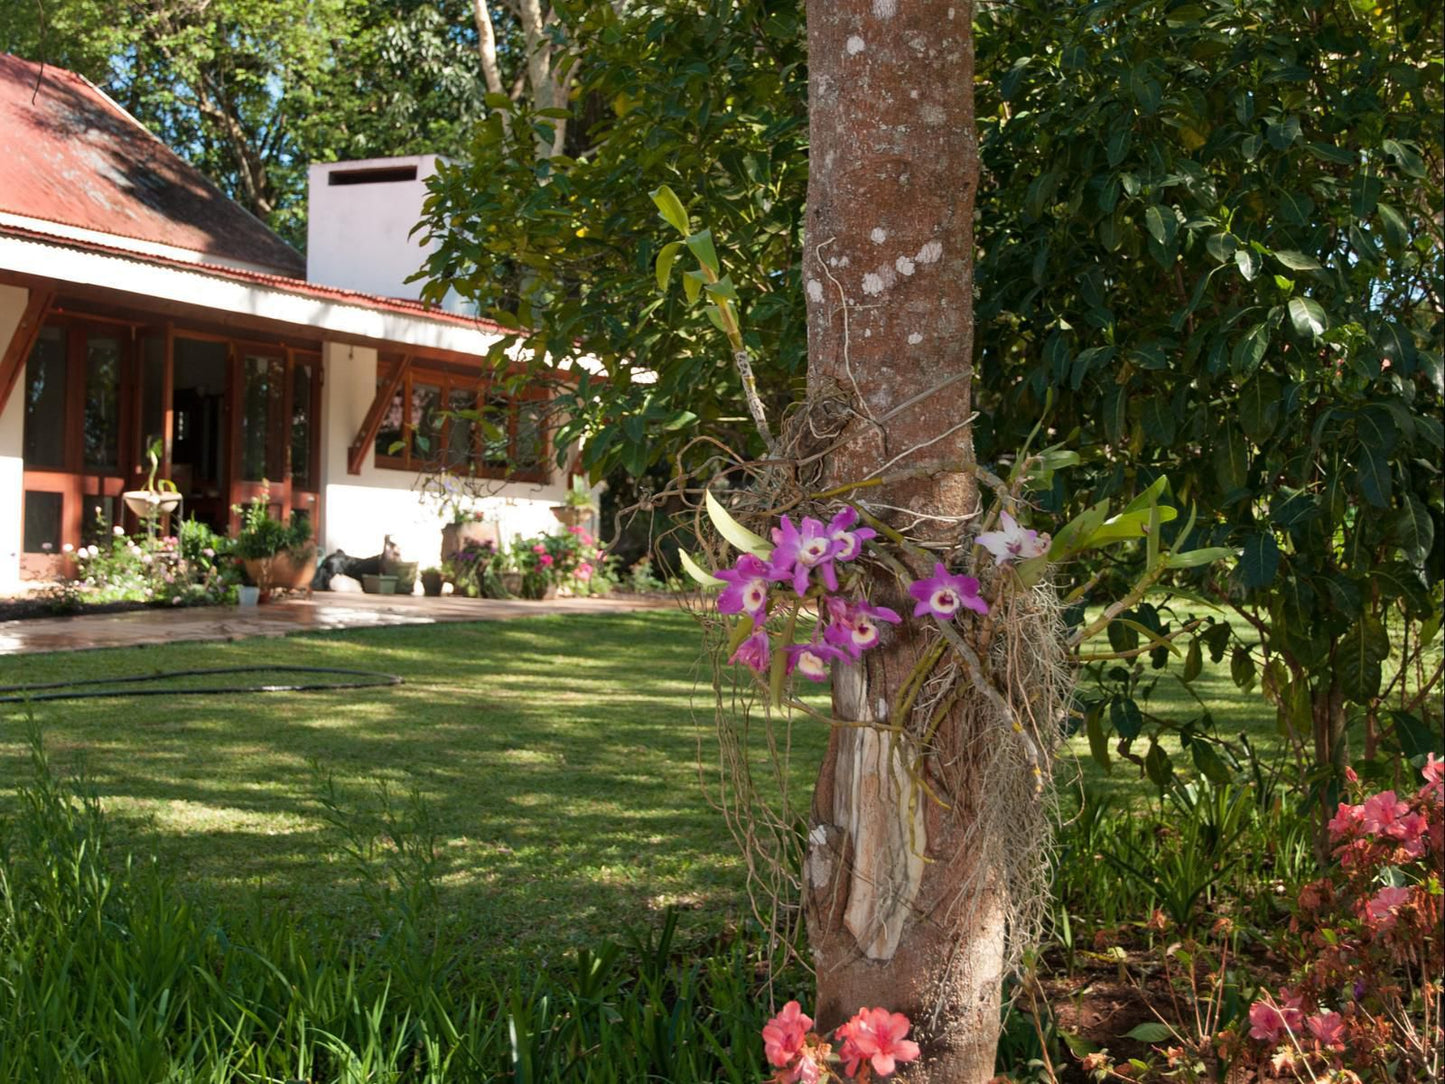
{"type": "Point", "coordinates": [903, 910]}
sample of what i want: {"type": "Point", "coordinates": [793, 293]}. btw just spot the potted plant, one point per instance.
{"type": "Point", "coordinates": [432, 580]}
{"type": "Point", "coordinates": [276, 556]}
{"type": "Point", "coordinates": [462, 521]}
{"type": "Point", "coordinates": [159, 497]}
{"type": "Point", "coordinates": [577, 505]}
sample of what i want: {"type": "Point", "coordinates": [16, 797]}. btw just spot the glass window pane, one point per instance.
{"type": "Point", "coordinates": [301, 426]}
{"type": "Point", "coordinates": [199, 447]}
{"type": "Point", "coordinates": [389, 436]}
{"type": "Point", "coordinates": [102, 402]}
{"type": "Point", "coordinates": [42, 522]}
{"type": "Point", "coordinates": [496, 438]}
{"type": "Point", "coordinates": [531, 448]}
{"type": "Point", "coordinates": [426, 421]}
{"type": "Point", "coordinates": [45, 400]}
{"type": "Point", "coordinates": [100, 515]}
{"type": "Point", "coordinates": [461, 436]}
{"type": "Point", "coordinates": [263, 382]}
{"type": "Point", "coordinates": [153, 386]}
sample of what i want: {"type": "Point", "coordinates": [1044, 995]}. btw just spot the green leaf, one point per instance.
{"type": "Point", "coordinates": [1358, 656]}
{"type": "Point", "coordinates": [696, 571]}
{"type": "Point", "coordinates": [1158, 769]}
{"type": "Point", "coordinates": [1296, 261]}
{"type": "Point", "coordinates": [1308, 316]}
{"type": "Point", "coordinates": [701, 245]}
{"type": "Point", "coordinates": [1195, 558]}
{"type": "Point", "coordinates": [1070, 537]}
{"type": "Point", "coordinates": [665, 259]}
{"type": "Point", "coordinates": [1150, 1032]}
{"type": "Point", "coordinates": [738, 536]}
{"type": "Point", "coordinates": [1415, 738]}
{"type": "Point", "coordinates": [671, 209]}
{"type": "Point", "coordinates": [1098, 744]}
{"type": "Point", "coordinates": [1193, 661]}
{"type": "Point", "coordinates": [1125, 716]}
{"type": "Point", "coordinates": [1247, 262]}
{"type": "Point", "coordinates": [692, 284]}
{"type": "Point", "coordinates": [1260, 561]}
{"type": "Point", "coordinates": [1250, 350]}
{"type": "Point", "coordinates": [1241, 668]}
{"type": "Point", "coordinates": [1259, 406]}
{"type": "Point", "coordinates": [1127, 525]}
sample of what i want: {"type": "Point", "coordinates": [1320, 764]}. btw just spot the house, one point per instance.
{"type": "Point", "coordinates": [138, 303]}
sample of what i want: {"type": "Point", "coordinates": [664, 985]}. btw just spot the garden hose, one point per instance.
{"type": "Point", "coordinates": [85, 690]}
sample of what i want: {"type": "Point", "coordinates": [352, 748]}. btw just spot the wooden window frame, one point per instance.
{"type": "Point", "coordinates": [483, 389]}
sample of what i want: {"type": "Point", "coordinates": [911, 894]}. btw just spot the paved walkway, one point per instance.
{"type": "Point", "coordinates": [323, 611]}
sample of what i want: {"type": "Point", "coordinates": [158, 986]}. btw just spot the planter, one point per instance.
{"type": "Point", "coordinates": [431, 583]}
{"type": "Point", "coordinates": [286, 571]}
{"type": "Point", "coordinates": [378, 585]}
{"type": "Point", "coordinates": [145, 503]}
{"type": "Point", "coordinates": [405, 573]}
{"type": "Point", "coordinates": [511, 582]}
{"type": "Point", "coordinates": [457, 535]}
{"type": "Point", "coordinates": [571, 515]}
{"type": "Point", "coordinates": [248, 595]}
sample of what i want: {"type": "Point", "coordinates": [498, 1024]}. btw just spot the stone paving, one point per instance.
{"type": "Point", "coordinates": [322, 612]}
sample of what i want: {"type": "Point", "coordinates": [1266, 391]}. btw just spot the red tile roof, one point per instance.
{"type": "Point", "coordinates": [74, 157]}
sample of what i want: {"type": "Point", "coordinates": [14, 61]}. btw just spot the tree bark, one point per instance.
{"type": "Point", "coordinates": [888, 271]}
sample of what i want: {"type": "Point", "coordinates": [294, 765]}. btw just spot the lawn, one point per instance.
{"type": "Point", "coordinates": [555, 759]}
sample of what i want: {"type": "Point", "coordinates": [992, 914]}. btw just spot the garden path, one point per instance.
{"type": "Point", "coordinates": [321, 612]}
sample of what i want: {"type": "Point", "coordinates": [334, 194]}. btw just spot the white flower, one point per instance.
{"type": "Point", "coordinates": [92, 550]}
{"type": "Point", "coordinates": [117, 530]}
{"type": "Point", "coordinates": [67, 548]}
{"type": "Point", "coordinates": [1013, 543]}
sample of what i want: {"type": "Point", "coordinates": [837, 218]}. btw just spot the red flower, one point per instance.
{"type": "Point", "coordinates": [876, 1036]}
{"type": "Point", "coordinates": [1327, 1027]}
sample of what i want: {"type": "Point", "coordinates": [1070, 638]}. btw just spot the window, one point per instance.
{"type": "Point", "coordinates": [439, 419]}
{"type": "Point", "coordinates": [45, 380]}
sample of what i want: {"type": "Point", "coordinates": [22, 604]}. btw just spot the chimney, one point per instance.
{"type": "Point", "coordinates": [359, 217]}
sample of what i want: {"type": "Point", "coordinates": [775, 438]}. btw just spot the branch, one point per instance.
{"type": "Point", "coordinates": [487, 47]}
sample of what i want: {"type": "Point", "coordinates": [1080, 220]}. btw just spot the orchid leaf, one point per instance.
{"type": "Point", "coordinates": [695, 570]}
{"type": "Point", "coordinates": [1195, 558]}
{"type": "Point", "coordinates": [738, 536]}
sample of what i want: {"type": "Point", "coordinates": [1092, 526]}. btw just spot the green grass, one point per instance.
{"type": "Point", "coordinates": [557, 759]}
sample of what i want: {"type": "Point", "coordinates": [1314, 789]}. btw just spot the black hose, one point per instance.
{"type": "Point", "coordinates": [23, 694]}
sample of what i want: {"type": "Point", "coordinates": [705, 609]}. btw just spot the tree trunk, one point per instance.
{"type": "Point", "coordinates": [888, 271]}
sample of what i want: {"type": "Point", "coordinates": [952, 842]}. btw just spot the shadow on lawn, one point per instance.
{"type": "Point", "coordinates": [557, 760]}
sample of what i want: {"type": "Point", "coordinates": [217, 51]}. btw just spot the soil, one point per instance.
{"type": "Point", "coordinates": [21, 609]}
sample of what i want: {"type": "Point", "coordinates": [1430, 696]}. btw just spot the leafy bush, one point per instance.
{"type": "Point", "coordinates": [189, 568]}
{"type": "Point", "coordinates": [262, 535]}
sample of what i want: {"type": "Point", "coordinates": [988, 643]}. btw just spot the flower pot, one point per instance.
{"type": "Point", "coordinates": [378, 585]}
{"type": "Point", "coordinates": [248, 595]}
{"type": "Point", "coordinates": [512, 582]}
{"type": "Point", "coordinates": [405, 573]}
{"type": "Point", "coordinates": [571, 515]}
{"type": "Point", "coordinates": [285, 571]}
{"type": "Point", "coordinates": [145, 503]}
{"type": "Point", "coordinates": [431, 583]}
{"type": "Point", "coordinates": [457, 535]}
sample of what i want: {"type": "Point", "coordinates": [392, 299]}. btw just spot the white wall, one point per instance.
{"type": "Point", "coordinates": [359, 510]}
{"type": "Point", "coordinates": [12, 450]}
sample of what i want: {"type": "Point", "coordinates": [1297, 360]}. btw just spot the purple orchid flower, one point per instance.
{"type": "Point", "coordinates": [854, 625]}
{"type": "Point", "coordinates": [812, 659]}
{"type": "Point", "coordinates": [753, 652]}
{"type": "Point", "coordinates": [748, 590]}
{"type": "Point", "coordinates": [798, 551]}
{"type": "Point", "coordinates": [847, 541]}
{"type": "Point", "coordinates": [944, 594]}
{"type": "Point", "coordinates": [1013, 543]}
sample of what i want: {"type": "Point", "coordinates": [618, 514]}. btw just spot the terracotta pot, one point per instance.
{"type": "Point", "coordinates": [431, 583]}
{"type": "Point", "coordinates": [571, 515]}
{"type": "Point", "coordinates": [457, 535]}
{"type": "Point", "coordinates": [283, 572]}
{"type": "Point", "coordinates": [512, 582]}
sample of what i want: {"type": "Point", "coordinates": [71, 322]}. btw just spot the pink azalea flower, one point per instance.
{"type": "Point", "coordinates": [877, 1037]}
{"type": "Point", "coordinates": [539, 548]}
{"type": "Point", "coordinates": [854, 625]}
{"type": "Point", "coordinates": [754, 652]}
{"type": "Point", "coordinates": [1269, 1023]}
{"type": "Point", "coordinates": [847, 539]}
{"type": "Point", "coordinates": [1434, 771]}
{"type": "Point", "coordinates": [944, 594]}
{"type": "Point", "coordinates": [545, 560]}
{"type": "Point", "coordinates": [1013, 543]}
{"type": "Point", "coordinates": [807, 1071]}
{"type": "Point", "coordinates": [1410, 831]}
{"type": "Point", "coordinates": [797, 551]}
{"type": "Point", "coordinates": [1384, 906]}
{"type": "Point", "coordinates": [1346, 821]}
{"type": "Point", "coordinates": [584, 572]}
{"type": "Point", "coordinates": [812, 659]}
{"type": "Point", "coordinates": [1380, 811]}
{"type": "Point", "coordinates": [748, 590]}
{"type": "Point", "coordinates": [1327, 1027]}
{"type": "Point", "coordinates": [783, 1035]}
